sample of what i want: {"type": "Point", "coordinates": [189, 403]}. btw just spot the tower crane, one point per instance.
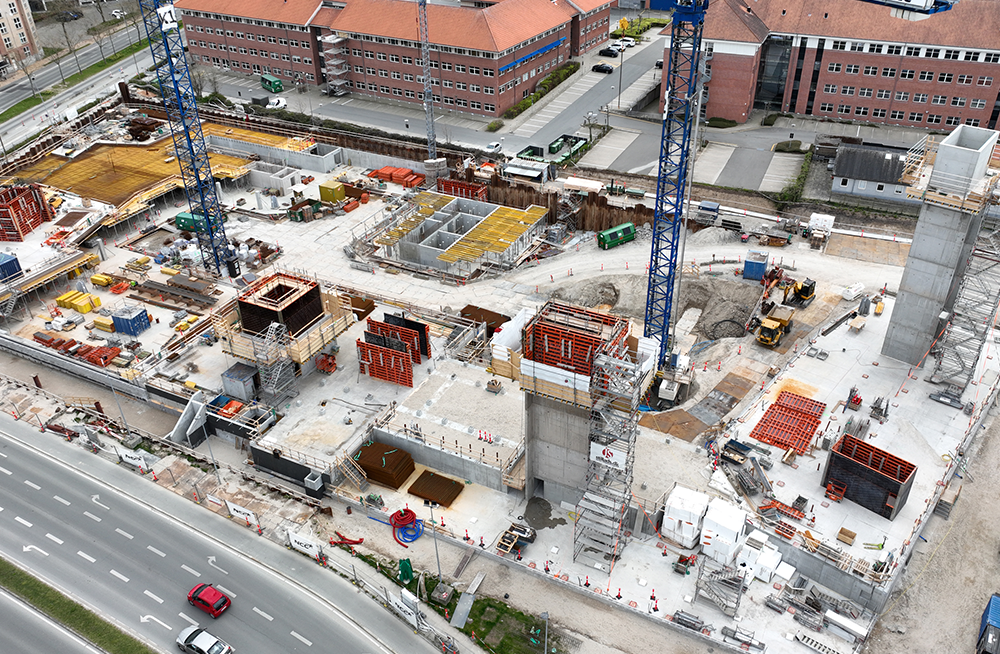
{"type": "Point", "coordinates": [425, 58]}
{"type": "Point", "coordinates": [181, 104]}
{"type": "Point", "coordinates": [680, 116]}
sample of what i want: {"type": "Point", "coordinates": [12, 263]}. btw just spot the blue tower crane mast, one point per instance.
{"type": "Point", "coordinates": [180, 103]}
{"type": "Point", "coordinates": [680, 115]}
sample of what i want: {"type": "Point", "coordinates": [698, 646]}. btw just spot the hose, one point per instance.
{"type": "Point", "coordinates": [405, 526]}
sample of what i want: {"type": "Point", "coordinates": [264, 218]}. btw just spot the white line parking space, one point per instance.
{"type": "Point", "coordinates": [609, 148]}
{"type": "Point", "coordinates": [546, 114]}
{"type": "Point", "coordinates": [783, 170]}
{"type": "Point", "coordinates": [711, 161]}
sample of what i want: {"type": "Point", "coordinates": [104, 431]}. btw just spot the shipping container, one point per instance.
{"type": "Point", "coordinates": [331, 191]}
{"type": "Point", "coordinates": [755, 265]}
{"type": "Point", "coordinates": [10, 267]}
{"type": "Point", "coordinates": [609, 238]}
{"type": "Point", "coordinates": [131, 320]}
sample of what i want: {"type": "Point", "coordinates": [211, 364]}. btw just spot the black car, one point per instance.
{"type": "Point", "coordinates": [67, 16]}
{"type": "Point", "coordinates": [602, 68]}
{"type": "Point", "coordinates": [659, 63]}
{"type": "Point", "coordinates": [608, 52]}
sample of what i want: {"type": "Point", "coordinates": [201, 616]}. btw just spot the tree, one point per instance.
{"type": "Point", "coordinates": [102, 30]}
{"type": "Point", "coordinates": [58, 56]}
{"type": "Point", "coordinates": [21, 62]}
{"type": "Point", "coordinates": [59, 6]}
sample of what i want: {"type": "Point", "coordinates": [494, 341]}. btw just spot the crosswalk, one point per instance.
{"type": "Point", "coordinates": [550, 111]}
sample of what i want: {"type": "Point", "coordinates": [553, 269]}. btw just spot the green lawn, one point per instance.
{"type": "Point", "coordinates": [23, 106]}
{"type": "Point", "coordinates": [84, 622]}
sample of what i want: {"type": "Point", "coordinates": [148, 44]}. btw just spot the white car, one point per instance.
{"type": "Point", "coordinates": [198, 641]}
{"type": "Point", "coordinates": [119, 13]}
{"type": "Point", "coordinates": [619, 46]}
{"type": "Point", "coordinates": [495, 147]}
{"type": "Point", "coordinates": [277, 103]}
{"type": "Point", "coordinates": [627, 41]}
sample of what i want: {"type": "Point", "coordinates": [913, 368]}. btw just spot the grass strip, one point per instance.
{"type": "Point", "coordinates": [21, 107]}
{"type": "Point", "coordinates": [69, 613]}
{"type": "Point", "coordinates": [106, 63]}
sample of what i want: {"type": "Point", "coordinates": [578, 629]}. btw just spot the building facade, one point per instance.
{"type": "Point", "coordinates": [846, 59]}
{"type": "Point", "coordinates": [484, 58]}
{"type": "Point", "coordinates": [18, 42]}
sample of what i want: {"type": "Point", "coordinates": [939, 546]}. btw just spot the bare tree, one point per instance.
{"type": "Point", "coordinates": [58, 56]}
{"type": "Point", "coordinates": [21, 62]}
{"type": "Point", "coordinates": [59, 6]}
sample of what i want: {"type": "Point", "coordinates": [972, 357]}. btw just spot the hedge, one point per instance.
{"type": "Point", "coordinates": [552, 80]}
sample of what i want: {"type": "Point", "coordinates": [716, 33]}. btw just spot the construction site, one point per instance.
{"type": "Point", "coordinates": [401, 332]}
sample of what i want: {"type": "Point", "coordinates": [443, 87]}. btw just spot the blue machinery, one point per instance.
{"type": "Point", "coordinates": [680, 115]}
{"type": "Point", "coordinates": [180, 103]}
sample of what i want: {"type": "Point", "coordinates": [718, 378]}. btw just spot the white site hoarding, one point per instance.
{"type": "Point", "coordinates": [134, 458]}
{"type": "Point", "coordinates": [242, 513]}
{"type": "Point", "coordinates": [305, 545]}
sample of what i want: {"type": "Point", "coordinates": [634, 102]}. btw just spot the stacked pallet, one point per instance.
{"type": "Point", "coordinates": [99, 356]}
{"type": "Point", "coordinates": [385, 464]}
{"type": "Point", "coordinates": [81, 302]}
{"type": "Point", "coordinates": [403, 176]}
{"type": "Point", "coordinates": [105, 324]}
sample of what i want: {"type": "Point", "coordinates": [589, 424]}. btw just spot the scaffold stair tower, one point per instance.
{"type": "Point", "coordinates": [600, 531]}
{"type": "Point", "coordinates": [277, 370]}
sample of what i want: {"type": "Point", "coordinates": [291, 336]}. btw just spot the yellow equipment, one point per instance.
{"type": "Point", "coordinates": [801, 292]}
{"type": "Point", "coordinates": [777, 322]}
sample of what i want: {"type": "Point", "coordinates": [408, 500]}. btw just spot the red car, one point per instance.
{"type": "Point", "coordinates": [209, 599]}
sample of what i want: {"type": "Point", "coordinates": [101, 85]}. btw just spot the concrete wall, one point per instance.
{"type": "Point", "coordinates": [444, 461]}
{"type": "Point", "coordinates": [326, 159]}
{"type": "Point", "coordinates": [52, 359]}
{"type": "Point", "coordinates": [557, 449]}
{"type": "Point", "coordinates": [842, 582]}
{"type": "Point", "coordinates": [941, 246]}
{"type": "Point", "coordinates": [372, 160]}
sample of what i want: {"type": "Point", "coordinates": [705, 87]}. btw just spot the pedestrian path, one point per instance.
{"type": "Point", "coordinates": [553, 109]}
{"type": "Point", "coordinates": [609, 148]}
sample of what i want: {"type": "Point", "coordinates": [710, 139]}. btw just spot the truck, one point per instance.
{"type": "Point", "coordinates": [777, 322]}
{"type": "Point", "coordinates": [989, 628]}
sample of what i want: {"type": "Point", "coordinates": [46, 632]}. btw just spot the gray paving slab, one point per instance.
{"type": "Point", "coordinates": [744, 169]}
{"type": "Point", "coordinates": [781, 172]}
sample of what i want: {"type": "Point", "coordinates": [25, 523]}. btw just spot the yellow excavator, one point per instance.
{"type": "Point", "coordinates": [800, 292]}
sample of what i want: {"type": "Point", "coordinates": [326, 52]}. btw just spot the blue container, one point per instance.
{"type": "Point", "coordinates": [9, 266]}
{"type": "Point", "coordinates": [755, 265]}
{"type": "Point", "coordinates": [131, 320]}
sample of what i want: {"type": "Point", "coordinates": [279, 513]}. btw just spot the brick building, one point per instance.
{"type": "Point", "coordinates": [849, 59]}
{"type": "Point", "coordinates": [18, 41]}
{"type": "Point", "coordinates": [485, 56]}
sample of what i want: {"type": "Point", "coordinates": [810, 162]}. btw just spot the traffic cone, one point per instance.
{"type": "Point", "coordinates": [656, 606]}
{"type": "Point", "coordinates": [466, 535]}
{"type": "Point", "coordinates": [587, 582]}
{"type": "Point", "coordinates": [619, 595]}
{"type": "Point", "coordinates": [652, 595]}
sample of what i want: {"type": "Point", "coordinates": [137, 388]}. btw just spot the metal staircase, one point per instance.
{"type": "Point", "coordinates": [973, 314]}
{"type": "Point", "coordinates": [353, 472]}
{"type": "Point", "coordinates": [277, 370]}
{"type": "Point", "coordinates": [723, 586]}
{"type": "Point", "coordinates": [600, 530]}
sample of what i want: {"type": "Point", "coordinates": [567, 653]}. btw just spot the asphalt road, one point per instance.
{"type": "Point", "coordinates": [26, 630]}
{"type": "Point", "coordinates": [17, 90]}
{"type": "Point", "coordinates": [135, 565]}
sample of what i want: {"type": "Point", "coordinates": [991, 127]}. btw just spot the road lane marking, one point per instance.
{"type": "Point", "coordinates": [155, 598]}
{"type": "Point", "coordinates": [262, 614]}
{"type": "Point", "coordinates": [32, 484]}
{"type": "Point", "coordinates": [6, 471]}
{"type": "Point", "coordinates": [3, 455]}
{"type": "Point", "coordinates": [119, 575]}
{"type": "Point", "coordinates": [307, 642]}
{"type": "Point", "coordinates": [125, 534]}
{"type": "Point", "coordinates": [91, 516]}
{"type": "Point", "coordinates": [193, 622]}
{"type": "Point", "coordinates": [22, 521]}
{"type": "Point", "coordinates": [59, 499]}
{"type": "Point", "coordinates": [225, 590]}
{"type": "Point", "coordinates": [55, 540]}
{"type": "Point", "coordinates": [87, 556]}
{"type": "Point", "coordinates": [194, 572]}
{"type": "Point", "coordinates": [154, 550]}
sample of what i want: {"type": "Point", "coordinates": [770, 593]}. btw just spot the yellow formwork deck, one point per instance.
{"type": "Point", "coordinates": [117, 174]}
{"type": "Point", "coordinates": [495, 233]}
{"type": "Point", "coordinates": [426, 203]}
{"type": "Point", "coordinates": [260, 138]}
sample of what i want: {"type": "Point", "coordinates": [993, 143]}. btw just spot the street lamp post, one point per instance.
{"type": "Point", "coordinates": [620, 80]}
{"type": "Point", "coordinates": [545, 616]}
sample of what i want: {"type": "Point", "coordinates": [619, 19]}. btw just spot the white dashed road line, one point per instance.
{"type": "Point", "coordinates": [154, 597]}
{"type": "Point", "coordinates": [32, 484]}
{"type": "Point", "coordinates": [59, 499]}
{"type": "Point", "coordinates": [194, 572]}
{"type": "Point", "coordinates": [86, 556]}
{"type": "Point", "coordinates": [91, 516]}
{"type": "Point", "coordinates": [193, 622]}
{"type": "Point", "coordinates": [307, 642]}
{"type": "Point", "coordinates": [125, 534]}
{"type": "Point", "coordinates": [55, 540]}
{"type": "Point", "coordinates": [262, 614]}
{"type": "Point", "coordinates": [120, 575]}
{"type": "Point", "coordinates": [154, 550]}
{"type": "Point", "coordinates": [226, 590]}
{"type": "Point", "coordinates": [6, 471]}
{"type": "Point", "coordinates": [22, 521]}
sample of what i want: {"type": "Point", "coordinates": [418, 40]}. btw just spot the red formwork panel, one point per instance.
{"type": "Point", "coordinates": [801, 404]}
{"type": "Point", "coordinates": [408, 336]}
{"type": "Point", "coordinates": [568, 337]}
{"type": "Point", "coordinates": [786, 428]}
{"type": "Point", "coordinates": [460, 189]}
{"type": "Point", "coordinates": [22, 209]}
{"type": "Point", "coordinates": [872, 457]}
{"type": "Point", "coordinates": [385, 364]}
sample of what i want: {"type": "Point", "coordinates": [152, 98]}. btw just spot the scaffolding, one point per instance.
{"type": "Point", "coordinates": [720, 584]}
{"type": "Point", "coordinates": [615, 392]}
{"type": "Point", "coordinates": [277, 370]}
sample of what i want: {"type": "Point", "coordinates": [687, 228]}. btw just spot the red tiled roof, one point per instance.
{"type": "Point", "coordinates": [970, 24]}
{"type": "Point", "coordinates": [295, 12]}
{"type": "Point", "coordinates": [495, 28]}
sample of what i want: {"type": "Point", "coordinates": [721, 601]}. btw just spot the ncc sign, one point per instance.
{"type": "Point", "coordinates": [242, 513]}
{"type": "Point", "coordinates": [608, 455]}
{"type": "Point", "coordinates": [134, 458]}
{"type": "Point", "coordinates": [305, 545]}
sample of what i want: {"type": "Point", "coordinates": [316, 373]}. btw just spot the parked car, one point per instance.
{"type": "Point", "coordinates": [619, 46]}
{"type": "Point", "coordinates": [659, 64]}
{"type": "Point", "coordinates": [495, 147]}
{"type": "Point", "coordinates": [67, 16]}
{"type": "Point", "coordinates": [209, 599]}
{"type": "Point", "coordinates": [277, 103]}
{"type": "Point", "coordinates": [627, 41]}
{"type": "Point", "coordinates": [608, 52]}
{"type": "Point", "coordinates": [603, 68]}
{"type": "Point", "coordinates": [119, 14]}
{"type": "Point", "coordinates": [198, 641]}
